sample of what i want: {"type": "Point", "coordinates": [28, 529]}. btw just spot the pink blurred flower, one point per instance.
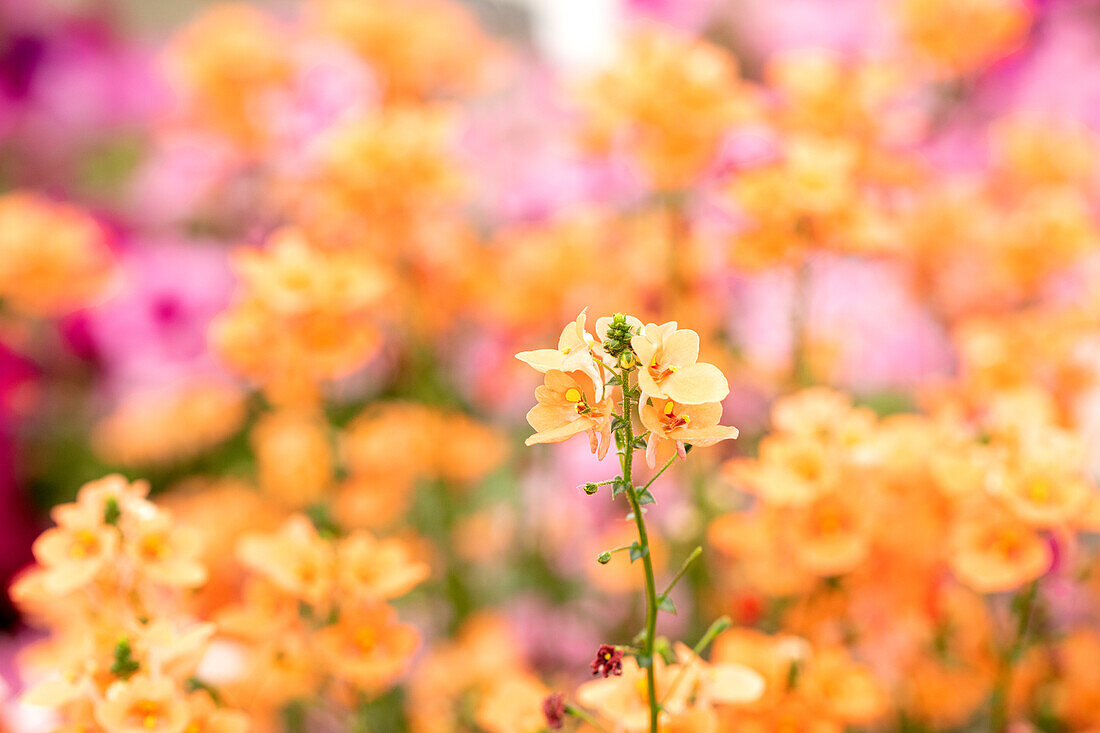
{"type": "Point", "coordinates": [861, 309]}
{"type": "Point", "coordinates": [689, 15]}
{"type": "Point", "coordinates": [522, 151]}
{"type": "Point", "coordinates": [153, 333]}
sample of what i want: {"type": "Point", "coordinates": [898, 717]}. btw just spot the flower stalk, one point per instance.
{"type": "Point", "coordinates": [626, 459]}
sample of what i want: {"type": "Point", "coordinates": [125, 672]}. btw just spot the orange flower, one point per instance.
{"type": "Point", "coordinates": [420, 49]}
{"type": "Point", "coordinates": [207, 717]}
{"type": "Point", "coordinates": [669, 100]}
{"type": "Point", "coordinates": [294, 456]}
{"type": "Point", "coordinates": [513, 705]}
{"type": "Point", "coordinates": [143, 705]}
{"type": "Point", "coordinates": [830, 539]}
{"type": "Point", "coordinates": [74, 555]}
{"type": "Point", "coordinates": [367, 647]}
{"type": "Point", "coordinates": [961, 36]}
{"type": "Point", "coordinates": [669, 422]}
{"type": "Point", "coordinates": [158, 427]}
{"type": "Point", "coordinates": [992, 552]}
{"type": "Point", "coordinates": [295, 558]}
{"type": "Point", "coordinates": [164, 553]}
{"type": "Point", "coordinates": [371, 569]}
{"type": "Point", "coordinates": [567, 407]}
{"type": "Point", "coordinates": [225, 62]}
{"type": "Point", "coordinates": [54, 257]}
{"type": "Point", "coordinates": [669, 358]}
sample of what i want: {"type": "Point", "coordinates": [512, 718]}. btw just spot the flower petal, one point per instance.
{"type": "Point", "coordinates": [696, 384]}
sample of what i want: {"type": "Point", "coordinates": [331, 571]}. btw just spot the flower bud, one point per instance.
{"type": "Point", "coordinates": [591, 488]}
{"type": "Point", "coordinates": [604, 558]}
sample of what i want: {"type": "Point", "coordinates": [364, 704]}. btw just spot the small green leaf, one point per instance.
{"type": "Point", "coordinates": [637, 551]}
{"type": "Point", "coordinates": [646, 498]}
{"type": "Point", "coordinates": [664, 603]}
{"type": "Point", "coordinates": [618, 486]}
{"type": "Point", "coordinates": [644, 660]}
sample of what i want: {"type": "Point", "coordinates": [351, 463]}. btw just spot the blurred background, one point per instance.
{"type": "Point", "coordinates": [276, 258]}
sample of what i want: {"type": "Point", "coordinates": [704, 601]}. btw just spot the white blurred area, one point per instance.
{"type": "Point", "coordinates": [575, 34]}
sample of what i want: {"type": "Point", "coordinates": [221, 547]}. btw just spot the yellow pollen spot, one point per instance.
{"type": "Point", "coordinates": [193, 728]}
{"type": "Point", "coordinates": [674, 369]}
{"type": "Point", "coordinates": [154, 547]}
{"type": "Point", "coordinates": [150, 722]}
{"type": "Point", "coordinates": [566, 349]}
{"type": "Point", "coordinates": [84, 544]}
{"type": "Point", "coordinates": [1039, 491]}
{"type": "Point", "coordinates": [640, 687]}
{"type": "Point", "coordinates": [607, 655]}
{"type": "Point", "coordinates": [668, 408]}
{"type": "Point", "coordinates": [573, 394]}
{"type": "Point", "coordinates": [653, 364]}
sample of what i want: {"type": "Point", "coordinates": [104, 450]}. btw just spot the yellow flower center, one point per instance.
{"type": "Point", "coordinates": [1039, 491]}
{"type": "Point", "coordinates": [149, 712]}
{"type": "Point", "coordinates": [1008, 543]}
{"type": "Point", "coordinates": [573, 394]}
{"type": "Point", "coordinates": [365, 639]}
{"type": "Point", "coordinates": [671, 421]}
{"type": "Point", "coordinates": [84, 543]}
{"type": "Point", "coordinates": [154, 547]}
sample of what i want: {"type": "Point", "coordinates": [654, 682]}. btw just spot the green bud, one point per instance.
{"type": "Point", "coordinates": [591, 488]}
{"type": "Point", "coordinates": [627, 360]}
{"type": "Point", "coordinates": [111, 511]}
{"type": "Point", "coordinates": [604, 558]}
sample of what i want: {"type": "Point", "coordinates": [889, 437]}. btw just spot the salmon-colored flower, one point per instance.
{"type": "Point", "coordinates": [574, 354]}
{"type": "Point", "coordinates": [295, 558]}
{"type": "Point", "coordinates": [144, 705]}
{"type": "Point", "coordinates": [367, 647]}
{"type": "Point", "coordinates": [371, 569]}
{"type": "Point", "coordinates": [991, 552]}
{"type": "Point", "coordinates": [675, 425]}
{"type": "Point", "coordinates": [567, 406]}
{"type": "Point", "coordinates": [74, 555]}
{"type": "Point", "coordinates": [513, 704]}
{"type": "Point", "coordinates": [54, 257]}
{"type": "Point", "coordinates": [164, 553]}
{"type": "Point", "coordinates": [670, 367]}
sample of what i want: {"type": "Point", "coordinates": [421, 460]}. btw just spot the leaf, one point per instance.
{"type": "Point", "coordinates": [644, 660]}
{"type": "Point", "coordinates": [637, 551]}
{"type": "Point", "coordinates": [646, 498]}
{"type": "Point", "coordinates": [618, 486]}
{"type": "Point", "coordinates": [664, 603]}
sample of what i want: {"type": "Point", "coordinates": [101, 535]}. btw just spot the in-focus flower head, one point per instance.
{"type": "Point", "coordinates": [567, 406]}
{"type": "Point", "coordinates": [670, 367]}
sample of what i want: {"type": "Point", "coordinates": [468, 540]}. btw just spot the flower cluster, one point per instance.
{"type": "Point", "coordinates": [123, 653]}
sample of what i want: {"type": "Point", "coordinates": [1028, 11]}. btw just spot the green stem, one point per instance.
{"type": "Point", "coordinates": [683, 569]}
{"type": "Point", "coordinates": [657, 475]}
{"type": "Point", "coordinates": [627, 460]}
{"type": "Point", "coordinates": [583, 715]}
{"type": "Point", "coordinates": [1023, 604]}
